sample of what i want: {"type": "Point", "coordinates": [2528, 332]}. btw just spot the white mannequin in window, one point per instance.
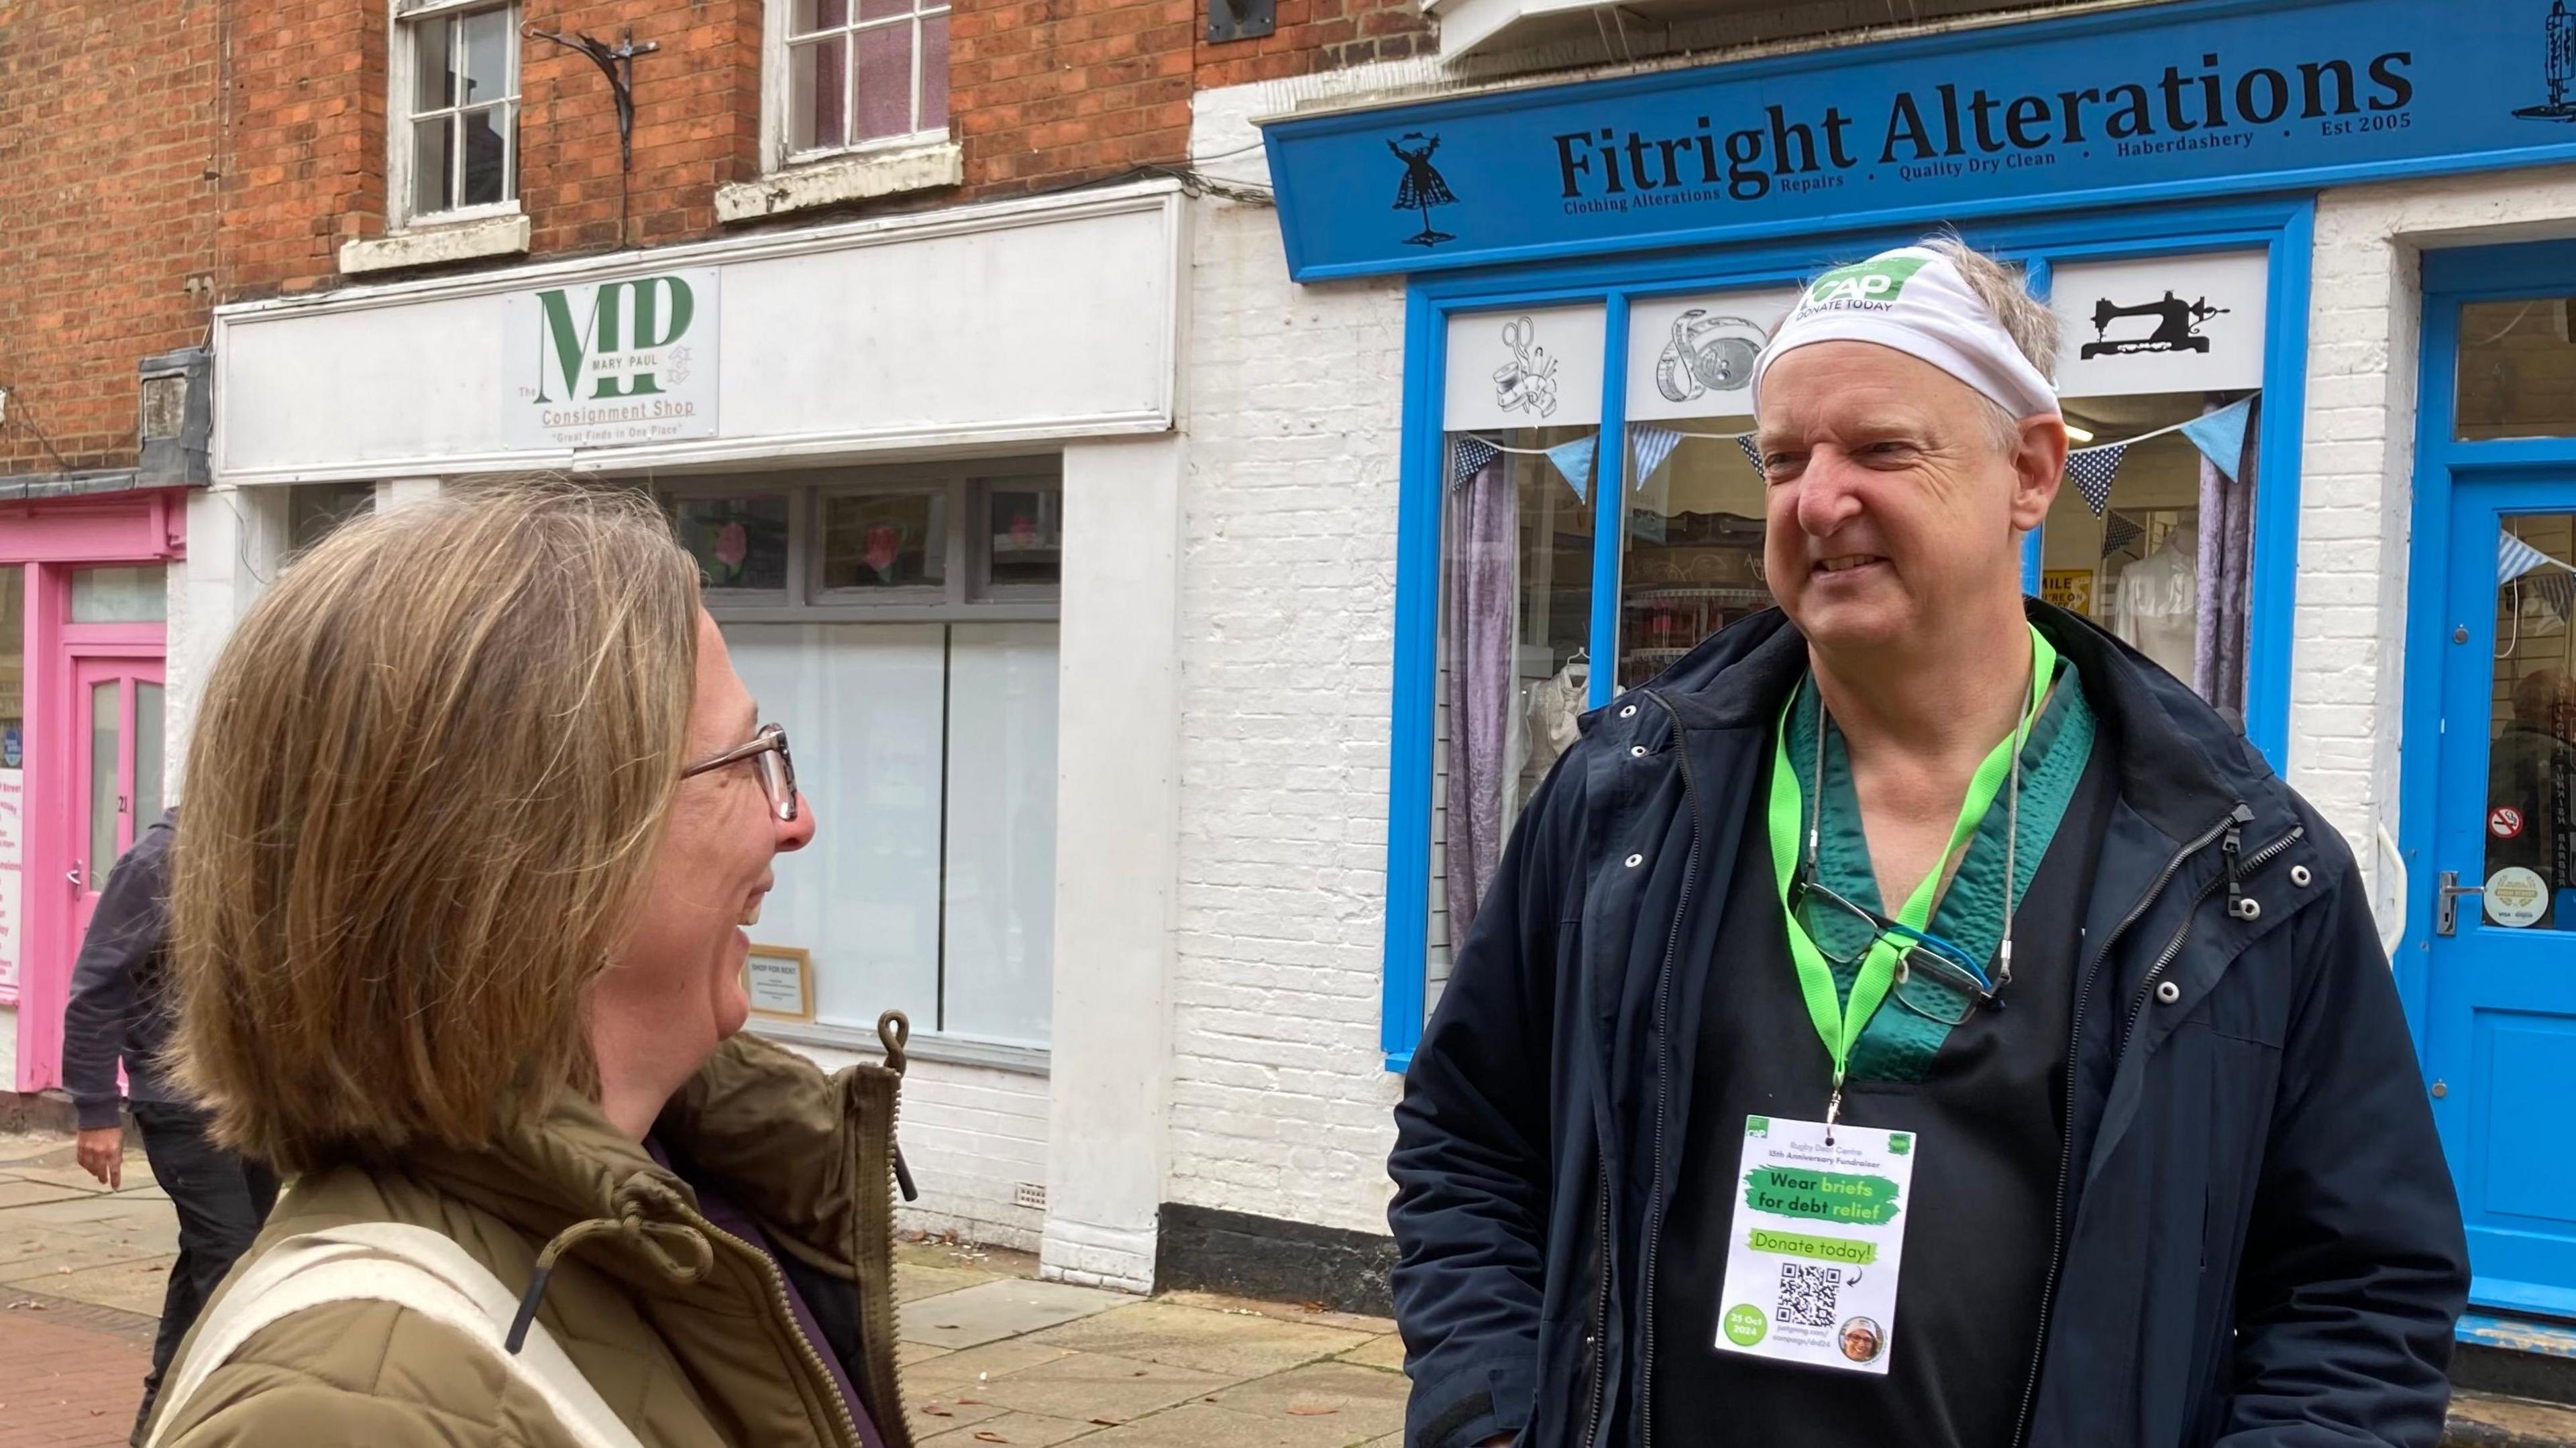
{"type": "Point", "coordinates": [2157, 605]}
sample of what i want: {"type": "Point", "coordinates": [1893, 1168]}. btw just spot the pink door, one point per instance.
{"type": "Point", "coordinates": [116, 770]}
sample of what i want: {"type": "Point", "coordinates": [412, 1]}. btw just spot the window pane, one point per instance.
{"type": "Point", "coordinates": [999, 884]}
{"type": "Point", "coordinates": [934, 71]}
{"type": "Point", "coordinates": [883, 9]}
{"type": "Point", "coordinates": [738, 542]}
{"type": "Point", "coordinates": [147, 753]}
{"type": "Point", "coordinates": [885, 82]}
{"type": "Point", "coordinates": [2173, 545]}
{"type": "Point", "coordinates": [2531, 759]}
{"type": "Point", "coordinates": [487, 155]}
{"type": "Point", "coordinates": [2517, 370]}
{"type": "Point", "coordinates": [1516, 547]}
{"type": "Point", "coordinates": [885, 540]}
{"type": "Point", "coordinates": [807, 16]}
{"type": "Point", "coordinates": [314, 509]}
{"type": "Point", "coordinates": [13, 667]}
{"type": "Point", "coordinates": [432, 185]}
{"type": "Point", "coordinates": [818, 83]}
{"type": "Point", "coordinates": [433, 64]}
{"type": "Point", "coordinates": [103, 706]}
{"type": "Point", "coordinates": [1027, 537]}
{"type": "Point", "coordinates": [121, 595]}
{"type": "Point", "coordinates": [863, 703]}
{"type": "Point", "coordinates": [487, 57]}
{"type": "Point", "coordinates": [1694, 554]}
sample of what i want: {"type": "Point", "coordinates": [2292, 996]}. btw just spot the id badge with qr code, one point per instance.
{"type": "Point", "coordinates": [1818, 1240]}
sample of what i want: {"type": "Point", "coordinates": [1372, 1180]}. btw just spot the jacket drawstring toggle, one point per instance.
{"type": "Point", "coordinates": [634, 1227]}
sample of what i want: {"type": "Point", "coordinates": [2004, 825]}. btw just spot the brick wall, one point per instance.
{"type": "Point", "coordinates": [1043, 94]}
{"type": "Point", "coordinates": [106, 216]}
{"type": "Point", "coordinates": [1320, 35]}
{"type": "Point", "coordinates": [1052, 92]}
{"type": "Point", "coordinates": [308, 115]}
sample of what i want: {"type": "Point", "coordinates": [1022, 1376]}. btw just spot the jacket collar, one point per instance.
{"type": "Point", "coordinates": [2179, 763]}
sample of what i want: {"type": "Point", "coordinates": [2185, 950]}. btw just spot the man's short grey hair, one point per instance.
{"type": "Point", "coordinates": [2025, 318]}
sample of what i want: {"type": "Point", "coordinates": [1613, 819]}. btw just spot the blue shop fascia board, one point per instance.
{"type": "Point", "coordinates": [2184, 101]}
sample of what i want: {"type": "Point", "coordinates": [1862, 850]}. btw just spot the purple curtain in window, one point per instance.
{"type": "Point", "coordinates": [1483, 592]}
{"type": "Point", "coordinates": [2226, 564]}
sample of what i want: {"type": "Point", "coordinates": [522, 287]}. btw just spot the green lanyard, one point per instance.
{"type": "Point", "coordinates": [1839, 1025]}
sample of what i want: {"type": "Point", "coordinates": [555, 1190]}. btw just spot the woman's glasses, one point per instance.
{"type": "Point", "coordinates": [1953, 982]}
{"type": "Point", "coordinates": [776, 767]}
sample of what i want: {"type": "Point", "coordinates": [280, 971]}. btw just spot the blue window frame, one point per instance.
{"type": "Point", "coordinates": [2280, 225]}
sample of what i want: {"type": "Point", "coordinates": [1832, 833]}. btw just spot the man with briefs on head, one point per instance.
{"type": "Point", "coordinates": [1914, 1018]}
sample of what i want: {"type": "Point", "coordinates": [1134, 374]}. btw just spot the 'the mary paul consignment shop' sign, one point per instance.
{"type": "Point", "coordinates": [2192, 99]}
{"type": "Point", "coordinates": [604, 364]}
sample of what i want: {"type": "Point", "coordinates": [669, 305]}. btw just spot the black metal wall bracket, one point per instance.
{"type": "Point", "coordinates": [1240, 19]}
{"type": "Point", "coordinates": [618, 64]}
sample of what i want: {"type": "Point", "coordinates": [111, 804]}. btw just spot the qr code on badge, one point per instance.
{"type": "Point", "coordinates": [1807, 1294]}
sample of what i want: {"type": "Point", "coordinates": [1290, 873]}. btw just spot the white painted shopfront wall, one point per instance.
{"type": "Point", "coordinates": [1048, 325]}
{"type": "Point", "coordinates": [1023, 321]}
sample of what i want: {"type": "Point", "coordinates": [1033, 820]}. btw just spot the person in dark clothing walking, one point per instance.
{"type": "Point", "coordinates": [1915, 1019]}
{"type": "Point", "coordinates": [119, 1013]}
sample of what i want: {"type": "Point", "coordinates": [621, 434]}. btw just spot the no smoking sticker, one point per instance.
{"type": "Point", "coordinates": [2505, 822]}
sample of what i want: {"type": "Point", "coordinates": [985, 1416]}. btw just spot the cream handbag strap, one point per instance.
{"type": "Point", "coordinates": [411, 1267]}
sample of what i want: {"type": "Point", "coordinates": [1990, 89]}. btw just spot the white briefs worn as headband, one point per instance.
{"type": "Point", "coordinates": [1914, 301]}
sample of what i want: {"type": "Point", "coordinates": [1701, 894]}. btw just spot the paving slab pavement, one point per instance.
{"type": "Point", "coordinates": [990, 1354]}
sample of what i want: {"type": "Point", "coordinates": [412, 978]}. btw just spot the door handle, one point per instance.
{"type": "Point", "coordinates": [2447, 891]}
{"type": "Point", "coordinates": [74, 874]}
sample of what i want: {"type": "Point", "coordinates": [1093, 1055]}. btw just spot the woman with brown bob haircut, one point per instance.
{"type": "Point", "coordinates": [477, 809]}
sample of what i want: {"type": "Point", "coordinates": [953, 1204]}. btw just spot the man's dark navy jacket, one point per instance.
{"type": "Point", "coordinates": [2257, 1241]}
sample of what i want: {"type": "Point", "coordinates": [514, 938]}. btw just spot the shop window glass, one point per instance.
{"type": "Point", "coordinates": [739, 543]}
{"type": "Point", "coordinates": [138, 594]}
{"type": "Point", "coordinates": [927, 753]}
{"type": "Point", "coordinates": [2517, 370]}
{"type": "Point", "coordinates": [1025, 531]}
{"type": "Point", "coordinates": [148, 745]}
{"type": "Point", "coordinates": [998, 884]}
{"type": "Point", "coordinates": [13, 668]}
{"type": "Point", "coordinates": [2167, 564]}
{"type": "Point", "coordinates": [1692, 546]}
{"type": "Point", "coordinates": [885, 540]}
{"type": "Point", "coordinates": [1517, 543]}
{"type": "Point", "coordinates": [105, 707]}
{"type": "Point", "coordinates": [862, 702]}
{"type": "Point", "coordinates": [2530, 872]}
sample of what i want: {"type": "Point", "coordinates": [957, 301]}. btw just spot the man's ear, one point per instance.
{"type": "Point", "coordinates": [2039, 468]}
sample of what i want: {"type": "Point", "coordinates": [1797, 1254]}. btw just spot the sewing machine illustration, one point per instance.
{"type": "Point", "coordinates": [2177, 326]}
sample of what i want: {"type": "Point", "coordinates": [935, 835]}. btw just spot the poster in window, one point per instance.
{"type": "Point", "coordinates": [2160, 324]}
{"type": "Point", "coordinates": [780, 981]}
{"type": "Point", "coordinates": [2068, 588]}
{"type": "Point", "coordinates": [1693, 356]}
{"type": "Point", "coordinates": [1535, 367]}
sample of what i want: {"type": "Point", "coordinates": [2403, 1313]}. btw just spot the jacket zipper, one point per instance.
{"type": "Point", "coordinates": [2230, 827]}
{"type": "Point", "coordinates": [1600, 1315]}
{"type": "Point", "coordinates": [1663, 1084]}
{"type": "Point", "coordinates": [2233, 879]}
{"type": "Point", "coordinates": [770, 1274]}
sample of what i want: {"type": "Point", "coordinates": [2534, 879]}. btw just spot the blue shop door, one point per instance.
{"type": "Point", "coordinates": [2500, 1004]}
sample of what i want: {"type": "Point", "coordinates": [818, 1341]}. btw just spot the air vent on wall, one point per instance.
{"type": "Point", "coordinates": [1031, 1195]}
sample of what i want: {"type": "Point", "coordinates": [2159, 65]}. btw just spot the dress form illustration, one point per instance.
{"type": "Point", "coordinates": [1422, 187]}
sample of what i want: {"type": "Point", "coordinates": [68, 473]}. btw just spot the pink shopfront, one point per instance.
{"type": "Point", "coordinates": [84, 608]}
